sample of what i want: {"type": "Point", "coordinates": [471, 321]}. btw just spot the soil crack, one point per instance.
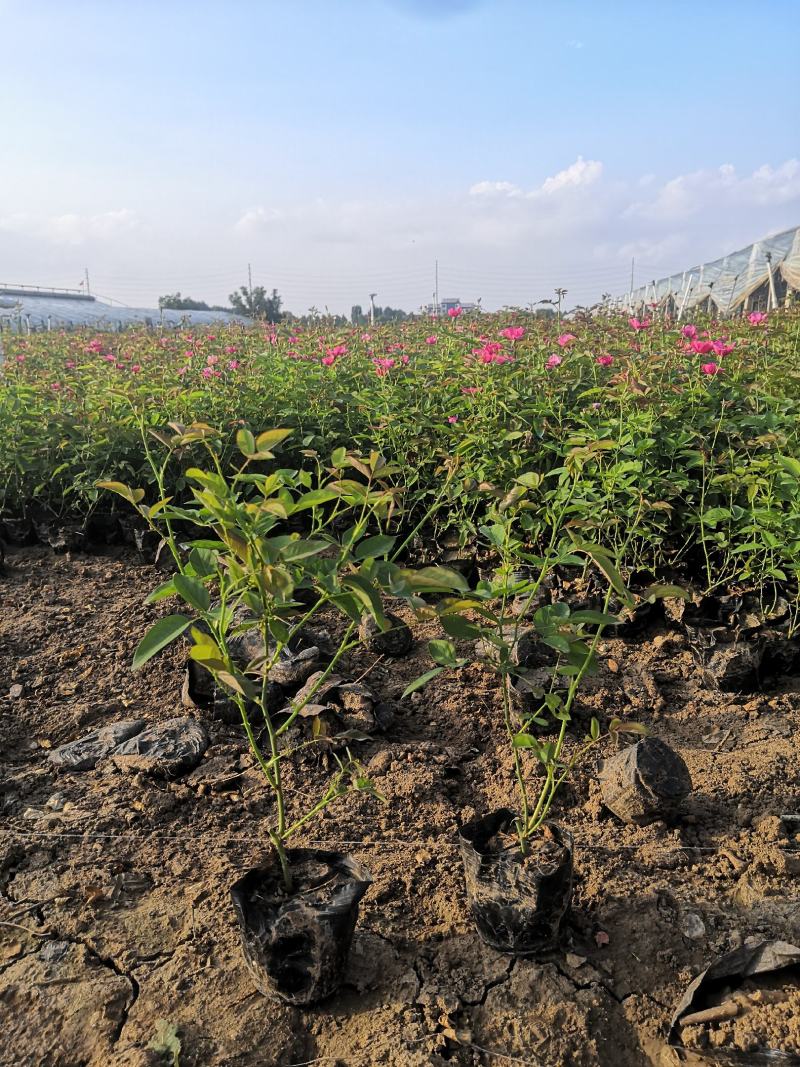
{"type": "Point", "coordinates": [492, 985]}
{"type": "Point", "coordinates": [112, 965]}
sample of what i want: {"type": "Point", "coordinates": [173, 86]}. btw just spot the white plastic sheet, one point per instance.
{"type": "Point", "coordinates": [730, 280]}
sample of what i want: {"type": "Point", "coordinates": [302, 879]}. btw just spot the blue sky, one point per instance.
{"type": "Point", "coordinates": [342, 146]}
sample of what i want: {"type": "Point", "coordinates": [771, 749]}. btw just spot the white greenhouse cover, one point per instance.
{"type": "Point", "coordinates": [730, 280]}
{"type": "Point", "coordinates": [42, 311]}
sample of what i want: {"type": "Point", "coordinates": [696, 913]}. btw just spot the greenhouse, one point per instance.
{"type": "Point", "coordinates": [760, 277]}
{"type": "Point", "coordinates": [32, 309]}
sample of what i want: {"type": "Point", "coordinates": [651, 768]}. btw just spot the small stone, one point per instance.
{"type": "Point", "coordinates": [692, 926]}
{"type": "Point", "coordinates": [56, 802]}
{"type": "Point", "coordinates": [613, 666]}
{"type": "Point", "coordinates": [31, 814]}
{"type": "Point", "coordinates": [15, 692]}
{"type": "Point", "coordinates": [574, 961]}
{"type": "Point", "coordinates": [380, 762]}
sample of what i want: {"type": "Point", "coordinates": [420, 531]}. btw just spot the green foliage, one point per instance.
{"type": "Point", "coordinates": [249, 571]}
{"type": "Point", "coordinates": [256, 304]}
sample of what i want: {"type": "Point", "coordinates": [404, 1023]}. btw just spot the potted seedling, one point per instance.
{"type": "Point", "coordinates": [519, 864]}
{"type": "Point", "coordinates": [297, 913]}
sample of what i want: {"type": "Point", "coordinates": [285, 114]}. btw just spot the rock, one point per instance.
{"type": "Point", "coordinates": [85, 753]}
{"type": "Point", "coordinates": [380, 762]}
{"type": "Point", "coordinates": [166, 749]}
{"type": "Point", "coordinates": [574, 961]}
{"type": "Point", "coordinates": [15, 692]}
{"type": "Point", "coordinates": [692, 926]}
{"type": "Point", "coordinates": [397, 641]}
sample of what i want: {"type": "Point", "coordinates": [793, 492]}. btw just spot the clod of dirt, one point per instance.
{"type": "Point", "coordinates": [85, 753]}
{"type": "Point", "coordinates": [397, 641]}
{"type": "Point", "coordinates": [167, 749]}
{"type": "Point", "coordinates": [645, 782]}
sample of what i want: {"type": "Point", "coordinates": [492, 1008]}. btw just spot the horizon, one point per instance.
{"type": "Point", "coordinates": [168, 150]}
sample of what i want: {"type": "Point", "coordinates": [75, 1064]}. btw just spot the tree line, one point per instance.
{"type": "Point", "coordinates": [255, 303]}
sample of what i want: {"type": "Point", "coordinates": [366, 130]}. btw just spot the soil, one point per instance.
{"type": "Point", "coordinates": [768, 1018]}
{"type": "Point", "coordinates": [114, 889]}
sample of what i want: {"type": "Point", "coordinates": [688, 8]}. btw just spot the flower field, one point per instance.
{"type": "Point", "coordinates": [414, 695]}
{"type": "Point", "coordinates": [676, 445]}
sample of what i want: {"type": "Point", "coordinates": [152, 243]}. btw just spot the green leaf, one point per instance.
{"type": "Point", "coordinates": [443, 653]}
{"type": "Point", "coordinates": [314, 499]}
{"type": "Point", "coordinates": [159, 636]}
{"type": "Point", "coordinates": [246, 443]}
{"type": "Point", "coordinates": [193, 592]}
{"type": "Point", "coordinates": [458, 626]}
{"type": "Point", "coordinates": [373, 547]}
{"type": "Point", "coordinates": [790, 465]}
{"type": "Point", "coordinates": [435, 579]}
{"type": "Point", "coordinates": [659, 592]}
{"type": "Point", "coordinates": [296, 550]}
{"type": "Point", "coordinates": [523, 740]}
{"type": "Point", "coordinates": [161, 592]}
{"type": "Point", "coordinates": [596, 618]}
{"type": "Point", "coordinates": [419, 682]}
{"type": "Point", "coordinates": [556, 641]}
{"type": "Point", "coordinates": [204, 561]}
{"type": "Point", "coordinates": [133, 496]}
{"type": "Point", "coordinates": [338, 456]}
{"type": "Point", "coordinates": [269, 438]}
{"type": "Point", "coordinates": [601, 559]}
{"type": "Point", "coordinates": [368, 596]}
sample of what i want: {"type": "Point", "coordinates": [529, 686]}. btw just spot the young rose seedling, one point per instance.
{"type": "Point", "coordinates": [250, 574]}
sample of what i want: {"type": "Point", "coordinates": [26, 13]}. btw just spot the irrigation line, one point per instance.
{"type": "Point", "coordinates": [230, 839]}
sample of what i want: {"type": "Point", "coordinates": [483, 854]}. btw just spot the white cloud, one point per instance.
{"type": "Point", "coordinates": [494, 189]}
{"type": "Point", "coordinates": [581, 173]}
{"type": "Point", "coordinates": [257, 218]}
{"type": "Point", "coordinates": [575, 44]}
{"type": "Point", "coordinates": [689, 195]}
{"type": "Point", "coordinates": [71, 228]}
{"type": "Point", "coordinates": [578, 175]}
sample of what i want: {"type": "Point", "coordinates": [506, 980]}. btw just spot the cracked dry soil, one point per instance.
{"type": "Point", "coordinates": [114, 909]}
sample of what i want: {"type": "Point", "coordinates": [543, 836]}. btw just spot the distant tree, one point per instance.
{"type": "Point", "coordinates": [176, 302]}
{"type": "Point", "coordinates": [255, 304]}
{"type": "Point", "coordinates": [389, 314]}
{"type": "Point", "coordinates": [357, 316]}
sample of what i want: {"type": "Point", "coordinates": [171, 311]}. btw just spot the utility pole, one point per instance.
{"type": "Point", "coordinates": [436, 288]}
{"type": "Point", "coordinates": [630, 291]}
{"type": "Point", "coordinates": [250, 278]}
{"type": "Point", "coordinates": [372, 308]}
{"type": "Point", "coordinates": [86, 276]}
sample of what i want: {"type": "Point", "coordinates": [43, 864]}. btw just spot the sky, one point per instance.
{"type": "Point", "coordinates": [343, 147]}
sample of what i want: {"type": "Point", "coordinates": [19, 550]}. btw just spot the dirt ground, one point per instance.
{"type": "Point", "coordinates": [114, 905]}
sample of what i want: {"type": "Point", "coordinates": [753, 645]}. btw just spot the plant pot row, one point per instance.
{"type": "Point", "coordinates": [296, 944]}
